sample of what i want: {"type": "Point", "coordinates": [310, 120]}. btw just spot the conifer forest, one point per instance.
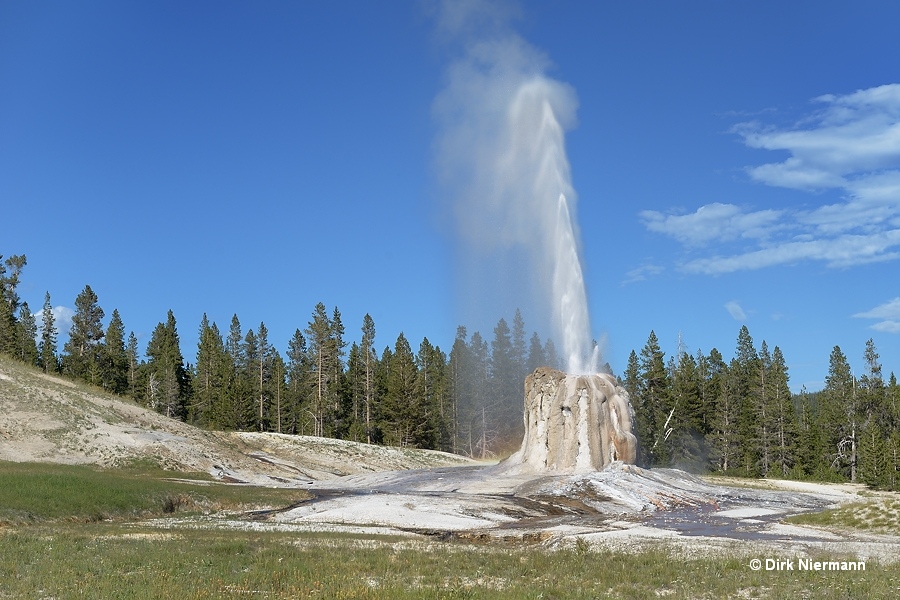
{"type": "Point", "coordinates": [694, 411]}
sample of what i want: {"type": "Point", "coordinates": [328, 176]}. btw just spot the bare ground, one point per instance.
{"type": "Point", "coordinates": [50, 419]}
{"type": "Point", "coordinates": [366, 489]}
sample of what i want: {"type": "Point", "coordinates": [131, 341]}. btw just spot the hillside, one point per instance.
{"type": "Point", "coordinates": [45, 418]}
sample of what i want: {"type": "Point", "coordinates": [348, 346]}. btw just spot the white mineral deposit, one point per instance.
{"type": "Point", "coordinates": [574, 423]}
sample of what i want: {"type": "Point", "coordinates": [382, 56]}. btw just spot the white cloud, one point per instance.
{"type": "Point", "coordinates": [887, 326]}
{"type": "Point", "coordinates": [889, 312]}
{"type": "Point", "coordinates": [851, 145]}
{"type": "Point", "coordinates": [642, 273]}
{"type": "Point", "coordinates": [843, 251]}
{"type": "Point", "coordinates": [858, 132]}
{"type": "Point", "coordinates": [734, 309]}
{"type": "Point", "coordinates": [873, 203]}
{"type": "Point", "coordinates": [793, 174]}
{"type": "Point", "coordinates": [62, 319]}
{"type": "Point", "coordinates": [712, 223]}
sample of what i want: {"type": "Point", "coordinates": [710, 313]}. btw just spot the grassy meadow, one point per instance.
{"type": "Point", "coordinates": [83, 532]}
{"type": "Point", "coordinates": [880, 515]}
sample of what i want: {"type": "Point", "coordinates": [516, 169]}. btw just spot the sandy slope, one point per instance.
{"type": "Point", "coordinates": [51, 419]}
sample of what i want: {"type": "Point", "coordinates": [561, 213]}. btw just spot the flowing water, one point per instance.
{"type": "Point", "coordinates": [503, 160]}
{"type": "Point", "coordinates": [547, 199]}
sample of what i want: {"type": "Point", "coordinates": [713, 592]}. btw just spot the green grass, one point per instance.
{"type": "Point", "coordinates": [38, 492]}
{"type": "Point", "coordinates": [878, 514]}
{"type": "Point", "coordinates": [114, 561]}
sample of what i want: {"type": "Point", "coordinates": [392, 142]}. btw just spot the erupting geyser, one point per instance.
{"type": "Point", "coordinates": [574, 423]}
{"type": "Point", "coordinates": [503, 161]}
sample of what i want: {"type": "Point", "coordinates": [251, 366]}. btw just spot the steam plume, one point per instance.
{"type": "Point", "coordinates": [501, 155]}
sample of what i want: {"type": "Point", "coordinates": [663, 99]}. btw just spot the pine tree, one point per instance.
{"type": "Point", "coordinates": [632, 380]}
{"type": "Point", "coordinates": [368, 358]}
{"type": "Point", "coordinates": [298, 378]}
{"type": "Point", "coordinates": [551, 356]}
{"type": "Point", "coordinates": [431, 395]}
{"type": "Point", "coordinates": [210, 380]}
{"type": "Point", "coordinates": [873, 454]}
{"type": "Point", "coordinates": [200, 410]}
{"type": "Point", "coordinates": [277, 388]}
{"type": "Point", "coordinates": [382, 375]}
{"type": "Point", "coordinates": [482, 439]}
{"type": "Point", "coordinates": [872, 386]}
{"type": "Point", "coordinates": [320, 346]}
{"type": "Point", "coordinates": [519, 351]}
{"type": "Point", "coordinates": [726, 435]}
{"type": "Point", "coordinates": [876, 419]}
{"type": "Point", "coordinates": [783, 416]}
{"type": "Point", "coordinates": [506, 388]}
{"type": "Point", "coordinates": [687, 444]}
{"type": "Point", "coordinates": [131, 352]}
{"type": "Point", "coordinates": [48, 360]}
{"type": "Point", "coordinates": [26, 332]}
{"type": "Point", "coordinates": [764, 423]}
{"type": "Point", "coordinates": [338, 399]}
{"type": "Point", "coordinates": [716, 422]}
{"type": "Point", "coordinates": [709, 370]}
{"type": "Point", "coordinates": [356, 388]}
{"type": "Point", "coordinates": [809, 453]}
{"type": "Point", "coordinates": [459, 386]}
{"type": "Point", "coordinates": [233, 415]}
{"type": "Point", "coordinates": [82, 356]}
{"type": "Point", "coordinates": [248, 372]}
{"type": "Point", "coordinates": [401, 410]}
{"type": "Point", "coordinates": [892, 474]}
{"type": "Point", "coordinates": [263, 377]}
{"type": "Point", "coordinates": [746, 391]}
{"type": "Point", "coordinates": [653, 422]}
{"type": "Point", "coordinates": [168, 377]}
{"type": "Point", "coordinates": [839, 417]}
{"type": "Point", "coordinates": [469, 377]}
{"type": "Point", "coordinates": [9, 302]}
{"type": "Point", "coordinates": [114, 370]}
{"type": "Point", "coordinates": [536, 356]}
{"type": "Point", "coordinates": [893, 448]}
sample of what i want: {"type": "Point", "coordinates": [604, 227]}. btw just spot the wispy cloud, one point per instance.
{"type": "Point", "coordinates": [852, 134]}
{"type": "Point", "coordinates": [642, 273]}
{"type": "Point", "coordinates": [888, 315]}
{"type": "Point", "coordinates": [714, 223]}
{"type": "Point", "coordinates": [734, 309]}
{"type": "Point", "coordinates": [842, 251]}
{"type": "Point", "coordinates": [851, 145]}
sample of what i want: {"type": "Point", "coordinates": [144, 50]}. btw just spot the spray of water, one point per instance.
{"type": "Point", "coordinates": [501, 154]}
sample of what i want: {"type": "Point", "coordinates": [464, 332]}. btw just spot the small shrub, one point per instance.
{"type": "Point", "coordinates": [171, 503]}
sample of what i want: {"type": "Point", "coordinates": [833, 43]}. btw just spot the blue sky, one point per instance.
{"type": "Point", "coordinates": [735, 163]}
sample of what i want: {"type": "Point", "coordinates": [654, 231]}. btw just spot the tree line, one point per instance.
{"type": "Point", "coordinates": [696, 412]}
{"type": "Point", "coordinates": [468, 401]}
{"type": "Point", "coordinates": [702, 414]}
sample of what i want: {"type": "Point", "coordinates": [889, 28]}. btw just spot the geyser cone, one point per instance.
{"type": "Point", "coordinates": [574, 423]}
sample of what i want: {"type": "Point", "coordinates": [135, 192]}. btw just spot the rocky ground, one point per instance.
{"type": "Point", "coordinates": [360, 488]}
{"type": "Point", "coordinates": [621, 507]}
